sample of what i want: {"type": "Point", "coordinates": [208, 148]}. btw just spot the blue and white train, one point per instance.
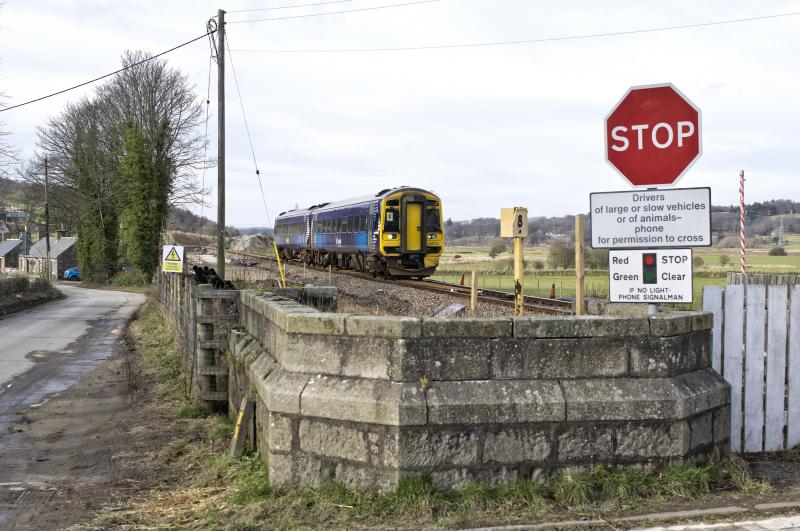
{"type": "Point", "coordinates": [394, 233]}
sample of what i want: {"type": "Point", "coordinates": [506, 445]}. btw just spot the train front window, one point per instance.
{"type": "Point", "coordinates": [434, 220]}
{"type": "Point", "coordinates": [392, 220]}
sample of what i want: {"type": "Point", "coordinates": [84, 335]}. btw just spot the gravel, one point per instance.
{"type": "Point", "coordinates": [364, 296]}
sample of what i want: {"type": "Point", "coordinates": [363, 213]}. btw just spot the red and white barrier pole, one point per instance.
{"type": "Point", "coordinates": [741, 223]}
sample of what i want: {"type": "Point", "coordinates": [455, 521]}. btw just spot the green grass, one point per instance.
{"type": "Point", "coordinates": [417, 502]}
{"type": "Point", "coordinates": [497, 273]}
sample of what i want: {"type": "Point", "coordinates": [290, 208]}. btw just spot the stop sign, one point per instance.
{"type": "Point", "coordinates": [653, 135]}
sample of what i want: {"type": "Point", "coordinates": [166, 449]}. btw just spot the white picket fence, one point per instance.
{"type": "Point", "coordinates": [756, 348]}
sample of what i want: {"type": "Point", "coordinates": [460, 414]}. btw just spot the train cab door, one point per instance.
{"type": "Point", "coordinates": [413, 227]}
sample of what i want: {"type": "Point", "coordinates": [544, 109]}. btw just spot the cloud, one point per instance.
{"type": "Point", "coordinates": [483, 127]}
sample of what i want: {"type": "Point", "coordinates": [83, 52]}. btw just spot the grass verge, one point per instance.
{"type": "Point", "coordinates": [213, 491]}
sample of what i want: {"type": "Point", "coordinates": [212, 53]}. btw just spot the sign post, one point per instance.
{"type": "Point", "coordinates": [579, 275]}
{"type": "Point", "coordinates": [653, 135]}
{"type": "Point", "coordinates": [652, 138]}
{"type": "Point", "coordinates": [650, 276]}
{"type": "Point", "coordinates": [678, 217]}
{"type": "Point", "coordinates": [514, 224]}
{"type": "Point", "coordinates": [172, 259]}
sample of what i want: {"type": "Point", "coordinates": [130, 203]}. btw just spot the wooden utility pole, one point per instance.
{"type": "Point", "coordinates": [221, 145]}
{"type": "Point", "coordinates": [579, 275]}
{"type": "Point", "coordinates": [473, 294]}
{"type": "Point", "coordinates": [46, 224]}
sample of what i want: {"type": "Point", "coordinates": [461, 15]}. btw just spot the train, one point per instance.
{"type": "Point", "coordinates": [395, 233]}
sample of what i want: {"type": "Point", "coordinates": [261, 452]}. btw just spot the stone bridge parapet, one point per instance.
{"type": "Point", "coordinates": [367, 401]}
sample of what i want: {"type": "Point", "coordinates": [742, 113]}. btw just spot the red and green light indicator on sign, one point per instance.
{"type": "Point", "coordinates": [649, 268]}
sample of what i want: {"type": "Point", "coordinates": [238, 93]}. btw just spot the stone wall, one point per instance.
{"type": "Point", "coordinates": [367, 401]}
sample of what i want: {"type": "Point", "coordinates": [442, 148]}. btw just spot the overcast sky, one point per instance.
{"type": "Point", "coordinates": [484, 127]}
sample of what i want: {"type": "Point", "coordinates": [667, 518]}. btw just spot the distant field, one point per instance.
{"type": "Point", "coordinates": [497, 273]}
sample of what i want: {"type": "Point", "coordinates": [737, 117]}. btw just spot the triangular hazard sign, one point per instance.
{"type": "Point", "coordinates": [172, 256]}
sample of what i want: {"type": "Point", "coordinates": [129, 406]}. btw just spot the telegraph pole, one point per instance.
{"type": "Point", "coordinates": [46, 224]}
{"type": "Point", "coordinates": [221, 145]}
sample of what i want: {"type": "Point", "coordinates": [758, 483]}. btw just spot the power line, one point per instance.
{"type": "Point", "coordinates": [291, 7]}
{"type": "Point", "coordinates": [107, 75]}
{"type": "Point", "coordinates": [247, 129]}
{"type": "Point", "coordinates": [527, 41]}
{"type": "Point", "coordinates": [334, 12]}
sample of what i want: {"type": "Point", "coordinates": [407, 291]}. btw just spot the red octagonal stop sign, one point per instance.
{"type": "Point", "coordinates": [653, 135]}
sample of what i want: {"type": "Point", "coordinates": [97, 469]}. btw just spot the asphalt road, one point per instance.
{"type": "Point", "coordinates": [46, 349]}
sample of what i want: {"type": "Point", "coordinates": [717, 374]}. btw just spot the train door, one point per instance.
{"type": "Point", "coordinates": [308, 231]}
{"type": "Point", "coordinates": [413, 226]}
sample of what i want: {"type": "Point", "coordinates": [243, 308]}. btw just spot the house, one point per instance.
{"type": "Point", "coordinates": [63, 255]}
{"type": "Point", "coordinates": [9, 253]}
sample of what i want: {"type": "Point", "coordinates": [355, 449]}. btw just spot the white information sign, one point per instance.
{"type": "Point", "coordinates": [678, 217]}
{"type": "Point", "coordinates": [172, 259]}
{"type": "Point", "coordinates": [650, 275]}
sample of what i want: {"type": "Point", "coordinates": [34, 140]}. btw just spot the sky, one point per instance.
{"type": "Point", "coordinates": [484, 127]}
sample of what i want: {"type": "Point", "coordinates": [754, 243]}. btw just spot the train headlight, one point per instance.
{"type": "Point", "coordinates": [391, 236]}
{"type": "Point", "coordinates": [432, 235]}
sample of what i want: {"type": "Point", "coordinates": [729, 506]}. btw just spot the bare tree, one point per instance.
{"type": "Point", "coordinates": [153, 96]}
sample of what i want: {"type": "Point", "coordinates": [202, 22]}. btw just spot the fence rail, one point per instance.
{"type": "Point", "coordinates": [202, 317]}
{"type": "Point", "coordinates": [756, 348]}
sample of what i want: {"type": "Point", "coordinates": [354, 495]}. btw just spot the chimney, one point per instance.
{"type": "Point", "coordinates": [60, 234]}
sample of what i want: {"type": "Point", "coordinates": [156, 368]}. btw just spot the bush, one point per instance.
{"type": "Point", "coordinates": [697, 261]}
{"type": "Point", "coordinates": [498, 246]}
{"type": "Point", "coordinates": [538, 265]}
{"type": "Point", "coordinates": [132, 278]}
{"type": "Point", "coordinates": [561, 255]}
{"type": "Point", "coordinates": [777, 251]}
{"type": "Point", "coordinates": [723, 260]}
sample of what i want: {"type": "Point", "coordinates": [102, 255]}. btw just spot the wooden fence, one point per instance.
{"type": "Point", "coordinates": [756, 348]}
{"type": "Point", "coordinates": [202, 317]}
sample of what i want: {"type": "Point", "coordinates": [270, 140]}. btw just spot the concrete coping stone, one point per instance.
{"type": "Point", "coordinates": [477, 327]}
{"type": "Point", "coordinates": [580, 326]}
{"type": "Point", "coordinates": [315, 323]}
{"type": "Point", "coordinates": [281, 390]}
{"type": "Point", "coordinates": [380, 326]}
{"type": "Point", "coordinates": [676, 323]}
{"type": "Point", "coordinates": [262, 367]}
{"type": "Point", "coordinates": [495, 401]}
{"type": "Point", "coordinates": [676, 398]}
{"type": "Point", "coordinates": [363, 400]}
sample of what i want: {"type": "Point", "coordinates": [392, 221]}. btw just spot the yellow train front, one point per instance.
{"type": "Point", "coordinates": [394, 233]}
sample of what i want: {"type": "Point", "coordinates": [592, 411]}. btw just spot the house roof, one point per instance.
{"type": "Point", "coordinates": [8, 246]}
{"type": "Point", "coordinates": [39, 250]}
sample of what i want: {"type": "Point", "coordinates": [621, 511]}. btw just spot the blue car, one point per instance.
{"type": "Point", "coordinates": [73, 273]}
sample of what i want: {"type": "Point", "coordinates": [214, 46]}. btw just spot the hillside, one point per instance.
{"type": "Point", "coordinates": [762, 225]}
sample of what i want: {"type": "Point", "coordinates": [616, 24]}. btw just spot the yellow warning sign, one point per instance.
{"type": "Point", "coordinates": [172, 259]}
{"type": "Point", "coordinates": [172, 256]}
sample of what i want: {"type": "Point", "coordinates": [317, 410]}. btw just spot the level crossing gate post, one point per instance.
{"type": "Point", "coordinates": [519, 265]}
{"type": "Point", "coordinates": [473, 295]}
{"type": "Point", "coordinates": [579, 273]}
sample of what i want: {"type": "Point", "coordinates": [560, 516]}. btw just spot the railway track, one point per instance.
{"type": "Point", "coordinates": [539, 305]}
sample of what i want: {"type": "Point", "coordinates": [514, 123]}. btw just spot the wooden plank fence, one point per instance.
{"type": "Point", "coordinates": [756, 348]}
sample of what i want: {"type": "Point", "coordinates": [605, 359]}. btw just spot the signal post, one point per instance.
{"type": "Point", "coordinates": [514, 224]}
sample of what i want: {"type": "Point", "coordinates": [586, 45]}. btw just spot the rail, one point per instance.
{"type": "Point", "coordinates": [535, 304]}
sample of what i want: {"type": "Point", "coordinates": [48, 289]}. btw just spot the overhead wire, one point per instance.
{"type": "Point", "coordinates": [79, 85]}
{"type": "Point", "coordinates": [247, 129]}
{"type": "Point", "coordinates": [373, 8]}
{"type": "Point", "coordinates": [523, 41]}
{"type": "Point", "coordinates": [290, 7]}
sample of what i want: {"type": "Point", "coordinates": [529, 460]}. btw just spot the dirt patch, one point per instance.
{"type": "Point", "coordinates": [63, 460]}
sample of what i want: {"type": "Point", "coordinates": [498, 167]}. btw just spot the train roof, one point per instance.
{"type": "Point", "coordinates": [346, 202]}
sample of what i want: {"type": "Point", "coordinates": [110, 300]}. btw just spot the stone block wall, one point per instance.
{"type": "Point", "coordinates": [367, 401]}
